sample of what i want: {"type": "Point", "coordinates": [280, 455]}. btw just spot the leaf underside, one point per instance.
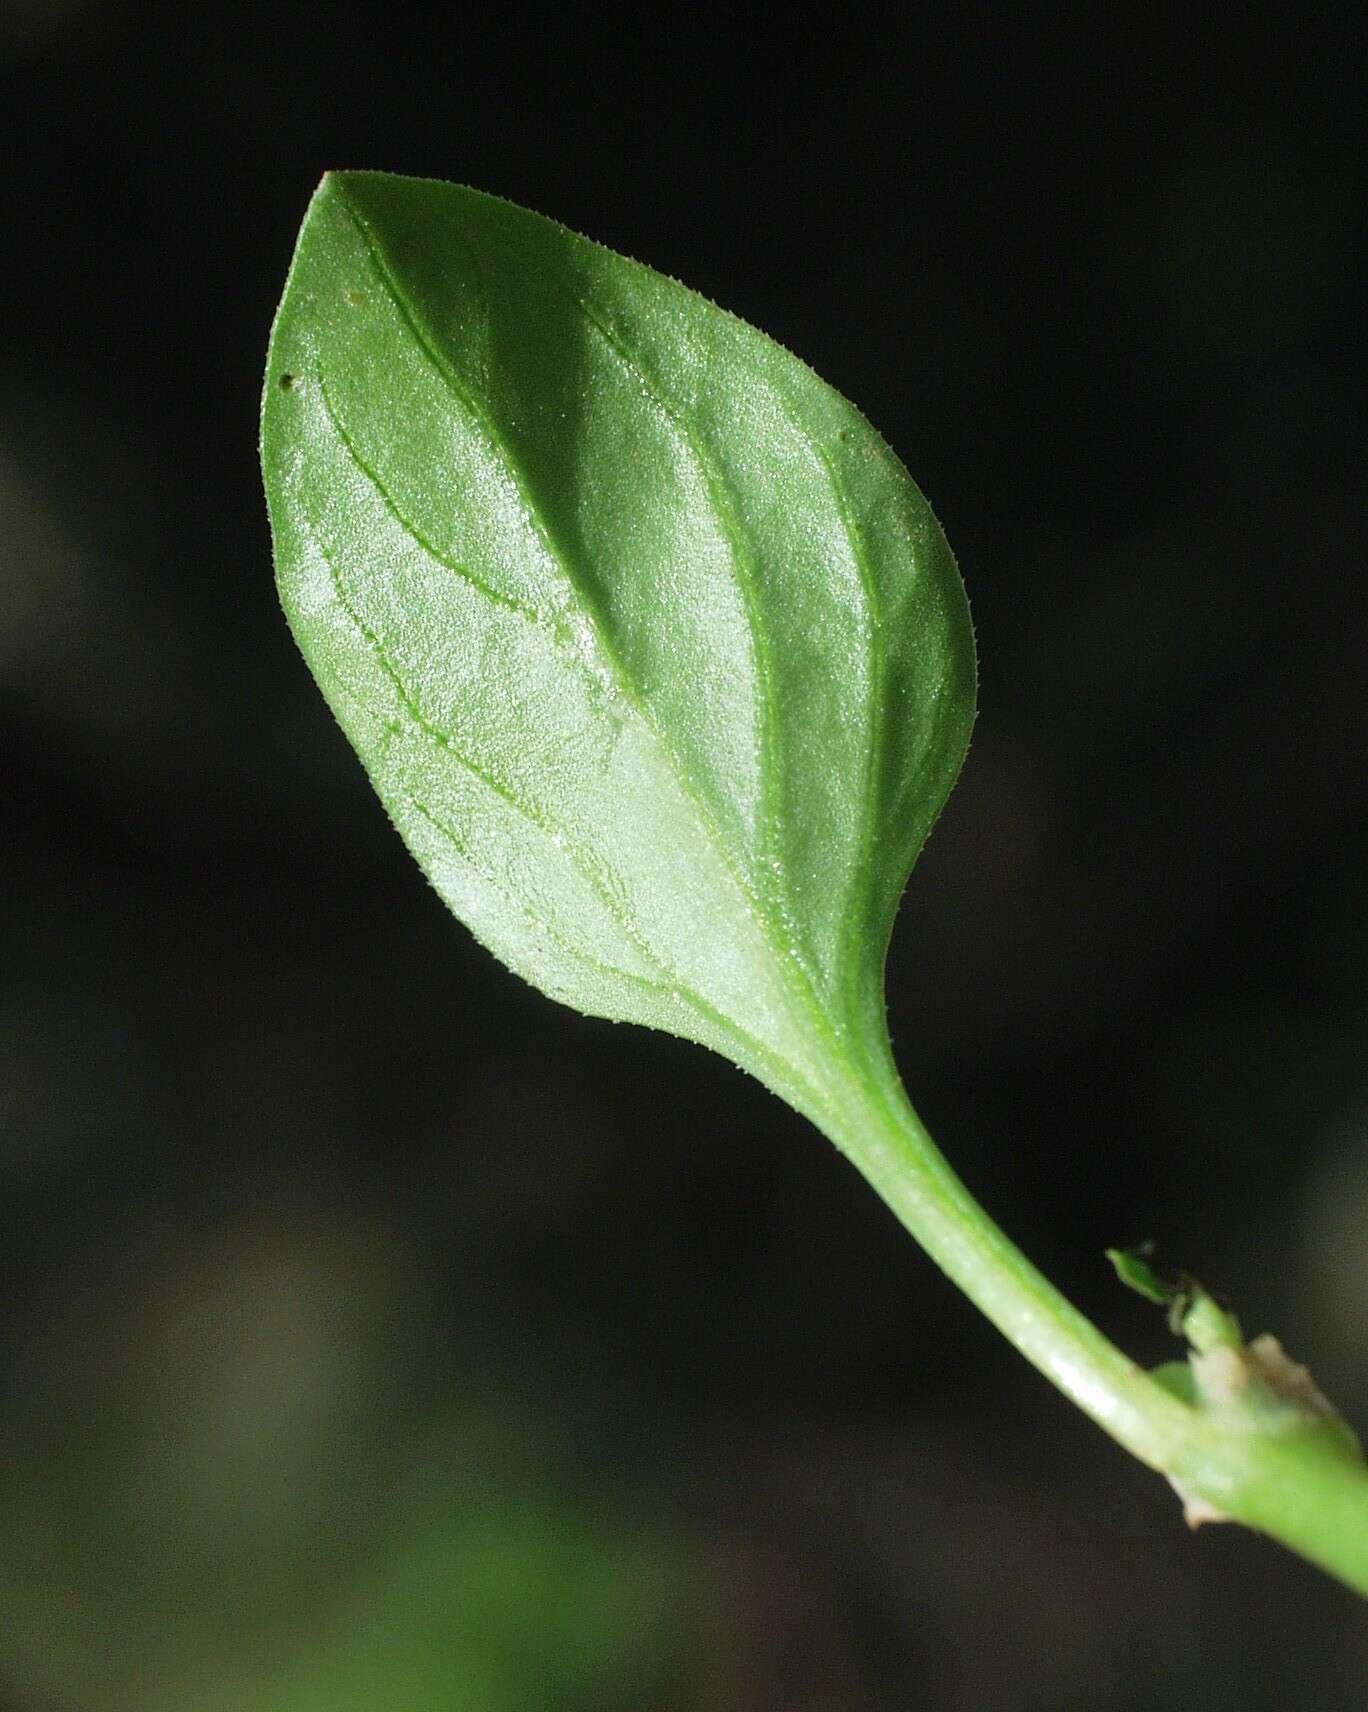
{"type": "Point", "coordinates": [656, 656]}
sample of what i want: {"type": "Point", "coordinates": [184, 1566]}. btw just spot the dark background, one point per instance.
{"type": "Point", "coordinates": [374, 1333]}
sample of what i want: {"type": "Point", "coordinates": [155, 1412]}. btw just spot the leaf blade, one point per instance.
{"type": "Point", "coordinates": [654, 653]}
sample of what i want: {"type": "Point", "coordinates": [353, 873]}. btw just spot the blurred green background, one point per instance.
{"type": "Point", "coordinates": [374, 1334]}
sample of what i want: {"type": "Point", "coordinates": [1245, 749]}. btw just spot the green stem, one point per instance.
{"type": "Point", "coordinates": [1297, 1486]}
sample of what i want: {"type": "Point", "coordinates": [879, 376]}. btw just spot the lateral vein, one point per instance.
{"type": "Point", "coordinates": [742, 561]}
{"type": "Point", "coordinates": [511, 603]}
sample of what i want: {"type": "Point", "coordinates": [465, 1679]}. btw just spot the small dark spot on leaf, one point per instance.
{"type": "Point", "coordinates": [354, 298]}
{"type": "Point", "coordinates": [286, 382]}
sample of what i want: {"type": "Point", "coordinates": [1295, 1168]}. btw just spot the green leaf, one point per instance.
{"type": "Point", "coordinates": [656, 656]}
{"type": "Point", "coordinates": [663, 669]}
{"type": "Point", "coordinates": [1134, 1270]}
